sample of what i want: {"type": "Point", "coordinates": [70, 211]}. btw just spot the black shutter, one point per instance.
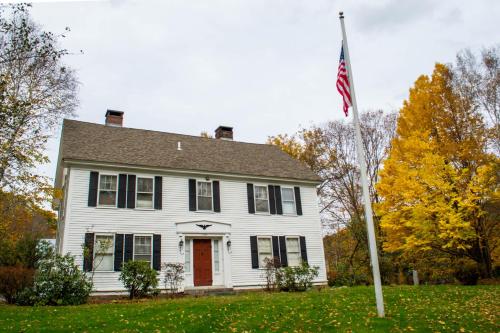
{"type": "Point", "coordinates": [158, 192]}
{"type": "Point", "coordinates": [216, 193]}
{"type": "Point", "coordinates": [251, 203]}
{"type": "Point", "coordinates": [303, 249]}
{"type": "Point", "coordinates": [298, 201]}
{"type": "Point", "coordinates": [192, 195]}
{"type": "Point", "coordinates": [131, 192]}
{"type": "Point", "coordinates": [88, 252]}
{"type": "Point", "coordinates": [254, 251]}
{"type": "Point", "coordinates": [93, 182]}
{"type": "Point", "coordinates": [284, 258]}
{"type": "Point", "coordinates": [122, 190]}
{"type": "Point", "coordinates": [276, 249]}
{"type": "Point", "coordinates": [277, 194]}
{"type": "Point", "coordinates": [129, 247]}
{"type": "Point", "coordinates": [157, 252]}
{"type": "Point", "coordinates": [118, 252]}
{"type": "Point", "coordinates": [272, 199]}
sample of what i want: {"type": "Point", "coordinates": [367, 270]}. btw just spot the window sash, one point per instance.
{"type": "Point", "coordinates": [204, 196]}
{"type": "Point", "coordinates": [143, 248]}
{"type": "Point", "coordinates": [103, 257]}
{"type": "Point", "coordinates": [261, 199]}
{"type": "Point", "coordinates": [108, 188]}
{"type": "Point", "coordinates": [288, 200]}
{"type": "Point", "coordinates": [264, 252]}
{"type": "Point", "coordinates": [145, 192]}
{"type": "Point", "coordinates": [293, 251]}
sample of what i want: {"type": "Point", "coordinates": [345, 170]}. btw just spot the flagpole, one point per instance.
{"type": "Point", "coordinates": [364, 181]}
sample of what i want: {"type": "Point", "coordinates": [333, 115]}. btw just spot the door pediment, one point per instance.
{"type": "Point", "coordinates": [203, 227]}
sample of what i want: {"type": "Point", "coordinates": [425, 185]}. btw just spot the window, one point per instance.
{"type": "Point", "coordinates": [142, 248]}
{"type": "Point", "coordinates": [107, 190]}
{"type": "Point", "coordinates": [216, 255]}
{"type": "Point", "coordinates": [261, 199]}
{"type": "Point", "coordinates": [103, 253]}
{"type": "Point", "coordinates": [265, 250]}
{"type": "Point", "coordinates": [187, 259]}
{"type": "Point", "coordinates": [293, 251]}
{"type": "Point", "coordinates": [288, 200]}
{"type": "Point", "coordinates": [144, 192]}
{"type": "Point", "coordinates": [204, 196]}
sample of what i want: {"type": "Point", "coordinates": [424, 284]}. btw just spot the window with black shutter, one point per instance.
{"type": "Point", "coordinates": [272, 199]}
{"type": "Point", "coordinates": [93, 183]}
{"type": "Point", "coordinates": [303, 249]}
{"type": "Point", "coordinates": [216, 194]}
{"type": "Point", "coordinates": [131, 191]}
{"type": "Point", "coordinates": [119, 242]}
{"type": "Point", "coordinates": [192, 194]}
{"type": "Point", "coordinates": [122, 190]}
{"type": "Point", "coordinates": [283, 254]}
{"type": "Point", "coordinates": [157, 252]}
{"type": "Point", "coordinates": [298, 200]}
{"type": "Point", "coordinates": [128, 247]}
{"type": "Point", "coordinates": [254, 253]}
{"type": "Point", "coordinates": [250, 198]}
{"type": "Point", "coordinates": [158, 192]}
{"type": "Point", "coordinates": [88, 251]}
{"type": "Point", "coordinates": [277, 194]}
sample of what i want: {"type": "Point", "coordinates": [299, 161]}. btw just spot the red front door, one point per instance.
{"type": "Point", "coordinates": [202, 262]}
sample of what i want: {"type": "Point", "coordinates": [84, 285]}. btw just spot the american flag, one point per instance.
{"type": "Point", "coordinates": [343, 83]}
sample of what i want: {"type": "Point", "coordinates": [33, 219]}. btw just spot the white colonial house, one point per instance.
{"type": "Point", "coordinates": [216, 205]}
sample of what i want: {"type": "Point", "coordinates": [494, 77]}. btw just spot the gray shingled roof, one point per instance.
{"type": "Point", "coordinates": [99, 143]}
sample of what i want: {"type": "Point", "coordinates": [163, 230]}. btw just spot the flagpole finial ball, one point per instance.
{"type": "Point", "coordinates": [341, 14]}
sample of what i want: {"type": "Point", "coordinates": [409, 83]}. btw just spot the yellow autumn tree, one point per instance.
{"type": "Point", "coordinates": [439, 184]}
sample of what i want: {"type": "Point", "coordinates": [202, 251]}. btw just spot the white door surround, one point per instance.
{"type": "Point", "coordinates": [220, 235]}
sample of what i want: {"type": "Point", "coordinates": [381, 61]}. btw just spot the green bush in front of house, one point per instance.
{"type": "Point", "coordinates": [58, 281]}
{"type": "Point", "coordinates": [296, 278]}
{"type": "Point", "coordinates": [139, 279]}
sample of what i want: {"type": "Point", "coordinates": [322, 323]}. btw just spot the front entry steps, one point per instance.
{"type": "Point", "coordinates": [210, 290]}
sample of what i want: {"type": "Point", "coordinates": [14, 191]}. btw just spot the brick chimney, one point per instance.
{"type": "Point", "coordinates": [224, 133]}
{"type": "Point", "coordinates": [114, 118]}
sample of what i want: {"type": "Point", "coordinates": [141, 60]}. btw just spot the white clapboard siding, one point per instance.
{"type": "Point", "coordinates": [79, 219]}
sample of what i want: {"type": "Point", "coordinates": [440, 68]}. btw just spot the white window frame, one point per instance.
{"type": "Point", "coordinates": [255, 199]}
{"type": "Point", "coordinates": [212, 196]}
{"type": "Point", "coordinates": [258, 250]}
{"type": "Point", "coordinates": [300, 249]}
{"type": "Point", "coordinates": [152, 245]}
{"type": "Point", "coordinates": [99, 190]}
{"type": "Point", "coordinates": [94, 249]}
{"type": "Point", "coordinates": [137, 192]}
{"type": "Point", "coordinates": [293, 196]}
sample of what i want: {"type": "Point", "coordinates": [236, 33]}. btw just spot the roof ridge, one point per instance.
{"type": "Point", "coordinates": [171, 133]}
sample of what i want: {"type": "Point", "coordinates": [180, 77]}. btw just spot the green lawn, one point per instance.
{"type": "Point", "coordinates": [412, 309]}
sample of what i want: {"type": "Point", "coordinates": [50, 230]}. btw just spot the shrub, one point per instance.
{"type": "Point", "coordinates": [58, 281]}
{"type": "Point", "coordinates": [270, 273]}
{"type": "Point", "coordinates": [297, 278]}
{"type": "Point", "coordinates": [345, 275]}
{"type": "Point", "coordinates": [13, 280]}
{"type": "Point", "coordinates": [139, 278]}
{"type": "Point", "coordinates": [467, 274]}
{"type": "Point", "coordinates": [174, 275]}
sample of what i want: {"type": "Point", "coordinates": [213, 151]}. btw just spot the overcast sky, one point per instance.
{"type": "Point", "coordinates": [263, 67]}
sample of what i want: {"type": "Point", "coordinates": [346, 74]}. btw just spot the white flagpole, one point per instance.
{"type": "Point", "coordinates": [366, 192]}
